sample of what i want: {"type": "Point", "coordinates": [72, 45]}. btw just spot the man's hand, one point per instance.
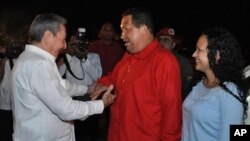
{"type": "Point", "coordinates": [97, 91]}
{"type": "Point", "coordinates": [108, 98]}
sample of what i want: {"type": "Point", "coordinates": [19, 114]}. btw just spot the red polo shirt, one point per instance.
{"type": "Point", "coordinates": [148, 97]}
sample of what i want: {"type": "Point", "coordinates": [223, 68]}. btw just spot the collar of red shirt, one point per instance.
{"type": "Point", "coordinates": [146, 51]}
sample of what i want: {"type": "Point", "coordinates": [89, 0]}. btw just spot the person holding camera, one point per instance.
{"type": "Point", "coordinates": [80, 66]}
{"type": "Point", "coordinates": [43, 107]}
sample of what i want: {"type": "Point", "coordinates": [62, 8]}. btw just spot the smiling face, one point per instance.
{"type": "Point", "coordinates": [201, 54]}
{"type": "Point", "coordinates": [131, 35]}
{"type": "Point", "coordinates": [55, 43]}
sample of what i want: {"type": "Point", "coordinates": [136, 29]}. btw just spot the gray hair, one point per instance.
{"type": "Point", "coordinates": [45, 22]}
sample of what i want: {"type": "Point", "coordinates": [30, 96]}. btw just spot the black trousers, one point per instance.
{"type": "Point", "coordinates": [89, 129]}
{"type": "Point", "coordinates": [6, 125]}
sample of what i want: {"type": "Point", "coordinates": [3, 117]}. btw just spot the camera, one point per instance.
{"type": "Point", "coordinates": [78, 44]}
{"type": "Point", "coordinates": [9, 47]}
{"type": "Point", "coordinates": [81, 41]}
{"type": "Point", "coordinates": [14, 50]}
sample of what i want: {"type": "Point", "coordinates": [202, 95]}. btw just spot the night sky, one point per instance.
{"type": "Point", "coordinates": [187, 17]}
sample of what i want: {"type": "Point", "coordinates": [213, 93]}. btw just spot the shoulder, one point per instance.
{"type": "Point", "coordinates": [232, 87]}
{"type": "Point", "coordinates": [33, 61]}
{"type": "Point", "coordinates": [93, 55]}
{"type": "Point", "coordinates": [94, 43]}
{"type": "Point", "coordinates": [224, 96]}
{"type": "Point", "coordinates": [198, 87]}
{"type": "Point", "coordinates": [181, 58]}
{"type": "Point", "coordinates": [161, 52]}
{"type": "Point", "coordinates": [164, 56]}
{"type": "Point", "coordinates": [116, 43]}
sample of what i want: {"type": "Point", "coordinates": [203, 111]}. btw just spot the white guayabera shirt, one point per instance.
{"type": "Point", "coordinates": [42, 104]}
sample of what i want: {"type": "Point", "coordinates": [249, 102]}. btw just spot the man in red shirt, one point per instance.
{"type": "Point", "coordinates": [110, 50]}
{"type": "Point", "coordinates": [147, 85]}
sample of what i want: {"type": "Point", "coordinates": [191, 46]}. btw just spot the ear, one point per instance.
{"type": "Point", "coordinates": [217, 57]}
{"type": "Point", "coordinates": [47, 36]}
{"type": "Point", "coordinates": [143, 29]}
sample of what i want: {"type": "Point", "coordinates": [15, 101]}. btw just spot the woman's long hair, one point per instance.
{"type": "Point", "coordinates": [229, 68]}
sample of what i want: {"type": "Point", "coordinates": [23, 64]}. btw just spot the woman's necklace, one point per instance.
{"type": "Point", "coordinates": [211, 85]}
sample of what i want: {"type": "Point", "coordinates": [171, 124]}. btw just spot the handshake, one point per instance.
{"type": "Point", "coordinates": [99, 91]}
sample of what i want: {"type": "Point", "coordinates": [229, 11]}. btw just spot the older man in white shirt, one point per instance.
{"type": "Point", "coordinates": [42, 101]}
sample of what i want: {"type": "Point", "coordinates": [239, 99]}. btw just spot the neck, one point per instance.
{"type": "Point", "coordinates": [107, 41]}
{"type": "Point", "coordinates": [211, 84]}
{"type": "Point", "coordinates": [211, 81]}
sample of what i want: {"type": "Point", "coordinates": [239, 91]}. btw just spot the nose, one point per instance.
{"type": "Point", "coordinates": [194, 54]}
{"type": "Point", "coordinates": [122, 35]}
{"type": "Point", "coordinates": [64, 44]}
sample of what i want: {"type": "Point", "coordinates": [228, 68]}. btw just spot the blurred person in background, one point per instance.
{"type": "Point", "coordinates": [83, 67]}
{"type": "Point", "coordinates": [109, 49]}
{"type": "Point", "coordinates": [169, 40]}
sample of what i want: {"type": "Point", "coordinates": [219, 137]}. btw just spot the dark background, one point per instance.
{"type": "Point", "coordinates": [187, 17]}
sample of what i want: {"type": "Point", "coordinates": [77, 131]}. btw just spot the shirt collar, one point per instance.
{"type": "Point", "coordinates": [40, 51]}
{"type": "Point", "coordinates": [146, 51]}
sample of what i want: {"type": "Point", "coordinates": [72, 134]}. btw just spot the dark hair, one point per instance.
{"type": "Point", "coordinates": [100, 35]}
{"type": "Point", "coordinates": [140, 16]}
{"type": "Point", "coordinates": [231, 63]}
{"type": "Point", "coordinates": [45, 22]}
{"type": "Point", "coordinates": [109, 24]}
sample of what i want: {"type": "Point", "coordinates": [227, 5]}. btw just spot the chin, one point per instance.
{"type": "Point", "coordinates": [197, 68]}
{"type": "Point", "coordinates": [129, 50]}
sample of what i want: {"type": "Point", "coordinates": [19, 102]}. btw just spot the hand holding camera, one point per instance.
{"type": "Point", "coordinates": [78, 44]}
